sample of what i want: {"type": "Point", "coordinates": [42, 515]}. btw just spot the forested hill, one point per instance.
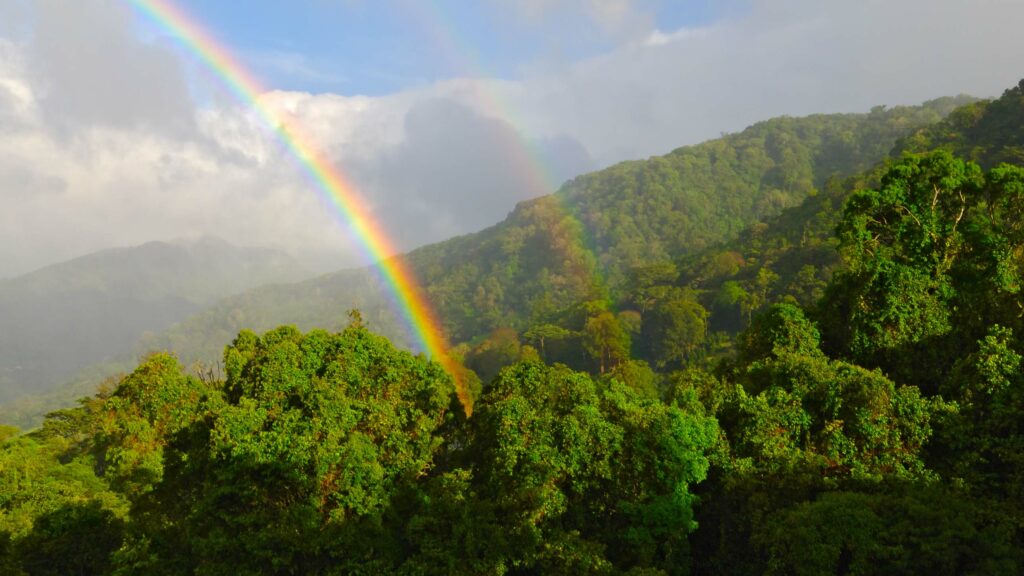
{"type": "Point", "coordinates": [556, 251]}
{"type": "Point", "coordinates": [548, 256]}
{"type": "Point", "coordinates": [66, 316]}
{"type": "Point", "coordinates": [791, 256]}
{"type": "Point", "coordinates": [868, 420]}
{"type": "Point", "coordinates": [984, 132]}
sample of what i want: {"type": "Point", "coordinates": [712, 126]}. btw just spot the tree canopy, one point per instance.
{"type": "Point", "coordinates": [836, 390]}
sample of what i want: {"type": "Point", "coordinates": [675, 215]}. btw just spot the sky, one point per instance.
{"type": "Point", "coordinates": [113, 134]}
{"type": "Point", "coordinates": [376, 48]}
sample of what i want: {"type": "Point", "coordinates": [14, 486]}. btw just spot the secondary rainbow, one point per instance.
{"type": "Point", "coordinates": [329, 180]}
{"type": "Point", "coordinates": [532, 166]}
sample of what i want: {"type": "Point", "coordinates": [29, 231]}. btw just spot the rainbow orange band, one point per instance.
{"type": "Point", "coordinates": [329, 180]}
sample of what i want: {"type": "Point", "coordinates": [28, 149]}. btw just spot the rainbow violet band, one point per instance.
{"type": "Point", "coordinates": [330, 182]}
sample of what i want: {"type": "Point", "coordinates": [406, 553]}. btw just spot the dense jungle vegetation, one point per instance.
{"type": "Point", "coordinates": [834, 387]}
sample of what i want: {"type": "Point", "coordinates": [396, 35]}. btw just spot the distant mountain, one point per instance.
{"type": "Point", "coordinates": [61, 318]}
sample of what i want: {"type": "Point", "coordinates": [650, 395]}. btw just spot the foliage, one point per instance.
{"type": "Point", "coordinates": [605, 341]}
{"type": "Point", "coordinates": [892, 533]}
{"type": "Point", "coordinates": [674, 329]}
{"type": "Point", "coordinates": [986, 132]}
{"type": "Point", "coordinates": [582, 475]}
{"type": "Point", "coordinates": [302, 455]}
{"type": "Point", "coordinates": [336, 453]}
{"type": "Point", "coordinates": [835, 389]}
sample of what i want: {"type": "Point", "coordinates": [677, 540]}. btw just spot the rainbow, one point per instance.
{"type": "Point", "coordinates": [330, 182]}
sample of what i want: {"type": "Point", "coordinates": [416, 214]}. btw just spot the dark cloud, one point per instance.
{"type": "Point", "coordinates": [458, 171]}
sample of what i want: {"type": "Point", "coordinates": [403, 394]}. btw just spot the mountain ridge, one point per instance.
{"type": "Point", "coordinates": [65, 316]}
{"type": "Point", "coordinates": [454, 272]}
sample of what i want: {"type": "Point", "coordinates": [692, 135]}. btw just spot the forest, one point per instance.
{"type": "Point", "coordinates": [778, 353]}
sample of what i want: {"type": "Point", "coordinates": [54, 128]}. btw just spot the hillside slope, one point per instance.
{"type": "Point", "coordinates": [797, 250]}
{"type": "Point", "coordinates": [557, 250]}
{"type": "Point", "coordinates": [61, 318]}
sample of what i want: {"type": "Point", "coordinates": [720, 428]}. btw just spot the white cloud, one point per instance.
{"type": "Point", "coordinates": [112, 186]}
{"type": "Point", "coordinates": [659, 38]}
{"type": "Point", "coordinates": [426, 165]}
{"type": "Point", "coordinates": [16, 99]}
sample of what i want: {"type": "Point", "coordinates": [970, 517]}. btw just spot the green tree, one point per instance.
{"type": "Point", "coordinates": [762, 286]}
{"type": "Point", "coordinates": [638, 375]}
{"type": "Point", "coordinates": [501, 348]}
{"type": "Point", "coordinates": [673, 330]}
{"type": "Point", "coordinates": [149, 406]}
{"type": "Point", "coordinates": [901, 244]}
{"type": "Point", "coordinates": [982, 443]}
{"type": "Point", "coordinates": [795, 408]}
{"type": "Point", "coordinates": [585, 476]}
{"type": "Point", "coordinates": [647, 284]}
{"type": "Point", "coordinates": [297, 467]}
{"type": "Point", "coordinates": [56, 515]}
{"type": "Point", "coordinates": [605, 341]}
{"type": "Point", "coordinates": [909, 530]}
{"type": "Point", "coordinates": [782, 329]}
{"type": "Point", "coordinates": [541, 334]}
{"type": "Point", "coordinates": [837, 419]}
{"type": "Point", "coordinates": [77, 538]}
{"type": "Point", "coordinates": [732, 306]}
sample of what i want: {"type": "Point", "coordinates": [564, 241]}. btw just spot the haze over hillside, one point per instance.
{"type": "Point", "coordinates": [609, 287]}
{"type": "Point", "coordinates": [600, 225]}
{"type": "Point", "coordinates": [544, 257]}
{"type": "Point", "coordinates": [63, 317]}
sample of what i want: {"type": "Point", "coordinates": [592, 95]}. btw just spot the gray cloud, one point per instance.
{"type": "Point", "coordinates": [18, 179]}
{"type": "Point", "coordinates": [783, 57]}
{"type": "Point", "coordinates": [91, 69]}
{"type": "Point", "coordinates": [458, 171]}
